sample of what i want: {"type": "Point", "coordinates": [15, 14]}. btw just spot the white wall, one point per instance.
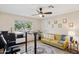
{"type": "Point", "coordinates": [71, 17]}
{"type": "Point", "coordinates": [7, 21]}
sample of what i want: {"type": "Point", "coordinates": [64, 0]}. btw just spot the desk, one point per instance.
{"type": "Point", "coordinates": [35, 41]}
{"type": "Point", "coordinates": [19, 39]}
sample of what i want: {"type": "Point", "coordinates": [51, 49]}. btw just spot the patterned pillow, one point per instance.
{"type": "Point", "coordinates": [51, 36]}
{"type": "Point", "coordinates": [63, 37]}
{"type": "Point", "coordinates": [57, 37]}
{"type": "Point", "coordinates": [48, 36]}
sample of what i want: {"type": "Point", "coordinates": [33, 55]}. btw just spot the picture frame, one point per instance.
{"type": "Point", "coordinates": [59, 25]}
{"type": "Point", "coordinates": [52, 25]}
{"type": "Point", "coordinates": [64, 20]}
{"type": "Point", "coordinates": [55, 22]}
{"type": "Point", "coordinates": [71, 24]}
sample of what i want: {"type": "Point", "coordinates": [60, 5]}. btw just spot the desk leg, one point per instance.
{"type": "Point", "coordinates": [70, 47]}
{"type": "Point", "coordinates": [26, 41]}
{"type": "Point", "coordinates": [77, 48]}
{"type": "Point", "coordinates": [35, 43]}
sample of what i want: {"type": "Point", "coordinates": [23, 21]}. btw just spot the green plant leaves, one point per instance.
{"type": "Point", "coordinates": [22, 25]}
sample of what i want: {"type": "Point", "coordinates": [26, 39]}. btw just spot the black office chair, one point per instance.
{"type": "Point", "coordinates": [9, 48]}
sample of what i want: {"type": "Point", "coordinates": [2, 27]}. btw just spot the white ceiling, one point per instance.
{"type": "Point", "coordinates": [30, 9]}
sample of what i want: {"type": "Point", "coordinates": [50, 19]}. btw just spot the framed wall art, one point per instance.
{"type": "Point", "coordinates": [59, 25]}
{"type": "Point", "coordinates": [64, 20]}
{"type": "Point", "coordinates": [55, 22]}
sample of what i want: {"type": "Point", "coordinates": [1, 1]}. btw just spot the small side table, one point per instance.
{"type": "Point", "coordinates": [73, 47]}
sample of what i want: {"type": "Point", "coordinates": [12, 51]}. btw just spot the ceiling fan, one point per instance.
{"type": "Point", "coordinates": [41, 13]}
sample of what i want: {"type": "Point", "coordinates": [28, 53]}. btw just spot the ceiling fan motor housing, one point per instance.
{"type": "Point", "coordinates": [40, 9]}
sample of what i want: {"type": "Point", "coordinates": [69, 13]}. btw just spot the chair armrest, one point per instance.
{"type": "Point", "coordinates": [11, 51]}
{"type": "Point", "coordinates": [12, 47]}
{"type": "Point", "coordinates": [11, 41]}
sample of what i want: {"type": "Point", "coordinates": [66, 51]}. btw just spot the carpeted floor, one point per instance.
{"type": "Point", "coordinates": [42, 49]}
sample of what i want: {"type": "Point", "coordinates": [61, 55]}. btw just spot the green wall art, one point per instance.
{"type": "Point", "coordinates": [23, 25]}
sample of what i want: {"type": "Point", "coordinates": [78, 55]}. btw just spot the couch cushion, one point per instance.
{"type": "Point", "coordinates": [57, 37]}
{"type": "Point", "coordinates": [63, 37]}
{"type": "Point", "coordinates": [51, 36]}
{"type": "Point", "coordinates": [48, 36]}
{"type": "Point", "coordinates": [53, 43]}
{"type": "Point", "coordinates": [61, 41]}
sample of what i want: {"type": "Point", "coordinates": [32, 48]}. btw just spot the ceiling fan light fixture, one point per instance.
{"type": "Point", "coordinates": [40, 15]}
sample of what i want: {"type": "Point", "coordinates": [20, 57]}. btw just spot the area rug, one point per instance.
{"type": "Point", "coordinates": [41, 49]}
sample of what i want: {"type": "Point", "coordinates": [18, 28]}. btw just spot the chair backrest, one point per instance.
{"type": "Point", "coordinates": [4, 32]}
{"type": "Point", "coordinates": [10, 39]}
{"type": "Point", "coordinates": [8, 36]}
{"type": "Point", "coordinates": [5, 35]}
{"type": "Point", "coordinates": [12, 36]}
{"type": "Point", "coordinates": [2, 41]}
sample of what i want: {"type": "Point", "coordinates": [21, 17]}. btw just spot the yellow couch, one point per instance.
{"type": "Point", "coordinates": [56, 41]}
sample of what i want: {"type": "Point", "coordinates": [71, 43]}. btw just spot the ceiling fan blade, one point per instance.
{"type": "Point", "coordinates": [47, 13]}
{"type": "Point", "coordinates": [38, 11]}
